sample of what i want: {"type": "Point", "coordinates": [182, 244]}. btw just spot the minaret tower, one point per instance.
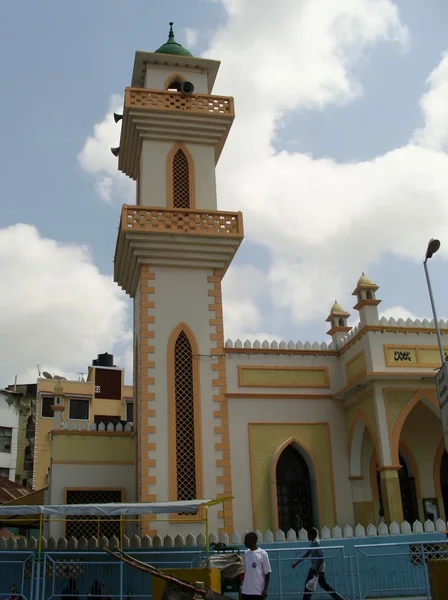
{"type": "Point", "coordinates": [173, 249]}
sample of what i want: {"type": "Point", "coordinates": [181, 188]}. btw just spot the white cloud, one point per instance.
{"type": "Point", "coordinates": [96, 158]}
{"type": "Point", "coordinates": [434, 105]}
{"type": "Point", "coordinates": [322, 221]}
{"type": "Point", "coordinates": [401, 312]}
{"type": "Point", "coordinates": [57, 310]}
{"type": "Point", "coordinates": [191, 38]}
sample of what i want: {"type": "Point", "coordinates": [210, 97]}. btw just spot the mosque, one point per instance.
{"type": "Point", "coordinates": [292, 434]}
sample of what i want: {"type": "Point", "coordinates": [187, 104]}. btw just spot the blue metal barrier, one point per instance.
{"type": "Point", "coordinates": [395, 570]}
{"type": "Point", "coordinates": [17, 569]}
{"type": "Point", "coordinates": [287, 582]}
{"type": "Point", "coordinates": [377, 570]}
{"type": "Point", "coordinates": [120, 580]}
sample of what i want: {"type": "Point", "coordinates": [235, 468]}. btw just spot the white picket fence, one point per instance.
{"type": "Point", "coordinates": [235, 539]}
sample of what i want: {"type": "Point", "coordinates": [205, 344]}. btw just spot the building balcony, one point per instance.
{"type": "Point", "coordinates": [174, 237]}
{"type": "Point", "coordinates": [175, 101]}
{"type": "Point", "coordinates": [171, 116]}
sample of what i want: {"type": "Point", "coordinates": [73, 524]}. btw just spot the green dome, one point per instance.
{"type": "Point", "coordinates": [172, 47]}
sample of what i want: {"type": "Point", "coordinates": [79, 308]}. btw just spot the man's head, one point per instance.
{"type": "Point", "coordinates": [250, 540]}
{"type": "Point", "coordinates": [312, 534]}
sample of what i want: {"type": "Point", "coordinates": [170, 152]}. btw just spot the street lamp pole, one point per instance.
{"type": "Point", "coordinates": [433, 246]}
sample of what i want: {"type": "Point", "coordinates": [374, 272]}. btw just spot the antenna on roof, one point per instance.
{"type": "Point", "coordinates": [38, 370]}
{"type": "Point", "coordinates": [81, 376]}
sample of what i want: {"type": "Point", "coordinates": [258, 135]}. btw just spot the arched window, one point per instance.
{"type": "Point", "coordinates": [444, 480]}
{"type": "Point", "coordinates": [294, 498]}
{"type": "Point", "coordinates": [29, 434]}
{"type": "Point", "coordinates": [407, 489]}
{"type": "Point", "coordinates": [28, 459]}
{"type": "Point", "coordinates": [369, 295]}
{"type": "Point", "coordinates": [175, 85]}
{"type": "Point", "coordinates": [341, 322]}
{"type": "Point", "coordinates": [181, 180]}
{"type": "Point", "coordinates": [186, 477]}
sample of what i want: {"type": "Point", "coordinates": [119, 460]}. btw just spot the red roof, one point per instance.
{"type": "Point", "coordinates": [10, 490]}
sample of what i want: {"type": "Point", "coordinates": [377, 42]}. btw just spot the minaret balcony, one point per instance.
{"type": "Point", "coordinates": [171, 116]}
{"type": "Point", "coordinates": [175, 238]}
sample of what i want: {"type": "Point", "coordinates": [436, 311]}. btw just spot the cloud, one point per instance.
{"type": "Point", "coordinates": [434, 105]}
{"type": "Point", "coordinates": [97, 160]}
{"type": "Point", "coordinates": [321, 221]}
{"type": "Point", "coordinates": [401, 312]}
{"type": "Point", "coordinates": [191, 37]}
{"type": "Point", "coordinates": [57, 310]}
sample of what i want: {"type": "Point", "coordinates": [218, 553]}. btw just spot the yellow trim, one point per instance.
{"type": "Point", "coordinates": [169, 176]}
{"type": "Point", "coordinates": [328, 512]}
{"type": "Point", "coordinates": [356, 367]}
{"type": "Point", "coordinates": [416, 353]}
{"type": "Point", "coordinates": [297, 370]}
{"type": "Point", "coordinates": [183, 327]}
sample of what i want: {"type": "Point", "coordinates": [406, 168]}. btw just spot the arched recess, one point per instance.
{"type": "Point", "coordinates": [409, 486]}
{"type": "Point", "coordinates": [441, 479]}
{"type": "Point", "coordinates": [173, 79]}
{"type": "Point", "coordinates": [357, 431]}
{"type": "Point", "coordinates": [429, 401]}
{"type": "Point", "coordinates": [184, 416]}
{"type": "Point", "coordinates": [180, 178]}
{"type": "Point", "coordinates": [303, 486]}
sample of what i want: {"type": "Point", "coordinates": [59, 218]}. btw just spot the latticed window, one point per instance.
{"type": "Point", "coordinates": [90, 525]}
{"type": "Point", "coordinates": [181, 181]}
{"type": "Point", "coordinates": [108, 384]}
{"type": "Point", "coordinates": [185, 430]}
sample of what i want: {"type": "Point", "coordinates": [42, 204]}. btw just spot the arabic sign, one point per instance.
{"type": "Point", "coordinates": [442, 393]}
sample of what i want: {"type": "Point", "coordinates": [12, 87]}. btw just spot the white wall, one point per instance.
{"type": "Point", "coordinates": [153, 173]}
{"type": "Point", "coordinates": [181, 295]}
{"type": "Point", "coordinates": [9, 417]}
{"type": "Point", "coordinates": [88, 476]}
{"type": "Point", "coordinates": [156, 77]}
{"type": "Point", "coordinates": [242, 412]}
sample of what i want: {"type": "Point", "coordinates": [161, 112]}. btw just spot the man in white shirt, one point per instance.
{"type": "Point", "coordinates": [257, 570]}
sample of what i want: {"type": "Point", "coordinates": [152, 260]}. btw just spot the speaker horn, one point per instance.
{"type": "Point", "coordinates": [115, 151]}
{"type": "Point", "coordinates": [117, 117]}
{"type": "Point", "coordinates": [187, 88]}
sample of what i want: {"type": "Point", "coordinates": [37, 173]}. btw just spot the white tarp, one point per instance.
{"type": "Point", "coordinates": [137, 508]}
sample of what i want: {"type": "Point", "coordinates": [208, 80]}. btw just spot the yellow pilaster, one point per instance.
{"type": "Point", "coordinates": [390, 488]}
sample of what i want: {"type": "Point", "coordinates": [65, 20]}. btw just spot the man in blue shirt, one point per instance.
{"type": "Point", "coordinates": [317, 567]}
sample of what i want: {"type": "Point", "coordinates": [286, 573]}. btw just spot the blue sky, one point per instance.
{"type": "Point", "coordinates": [62, 62]}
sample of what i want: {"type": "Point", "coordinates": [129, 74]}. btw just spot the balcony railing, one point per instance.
{"type": "Point", "coordinates": [165, 220]}
{"type": "Point", "coordinates": [175, 101]}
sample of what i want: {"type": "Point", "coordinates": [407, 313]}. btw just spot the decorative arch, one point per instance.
{"type": "Point", "coordinates": [359, 424]}
{"type": "Point", "coordinates": [440, 453]}
{"type": "Point", "coordinates": [315, 480]}
{"type": "Point", "coordinates": [180, 178]}
{"type": "Point", "coordinates": [429, 401]}
{"type": "Point", "coordinates": [184, 417]}
{"type": "Point", "coordinates": [172, 78]}
{"type": "Point", "coordinates": [405, 458]}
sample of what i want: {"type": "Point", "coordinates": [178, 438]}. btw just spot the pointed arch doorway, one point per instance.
{"type": "Point", "coordinates": [444, 481]}
{"type": "Point", "coordinates": [408, 491]}
{"type": "Point", "coordinates": [294, 491]}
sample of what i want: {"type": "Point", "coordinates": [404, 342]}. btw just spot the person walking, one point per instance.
{"type": "Point", "coordinates": [257, 570]}
{"type": "Point", "coordinates": [316, 574]}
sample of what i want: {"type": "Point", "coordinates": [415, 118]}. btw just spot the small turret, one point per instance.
{"type": "Point", "coordinates": [338, 321]}
{"type": "Point", "coordinates": [366, 301]}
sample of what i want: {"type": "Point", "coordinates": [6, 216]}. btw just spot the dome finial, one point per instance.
{"type": "Point", "coordinates": [171, 46]}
